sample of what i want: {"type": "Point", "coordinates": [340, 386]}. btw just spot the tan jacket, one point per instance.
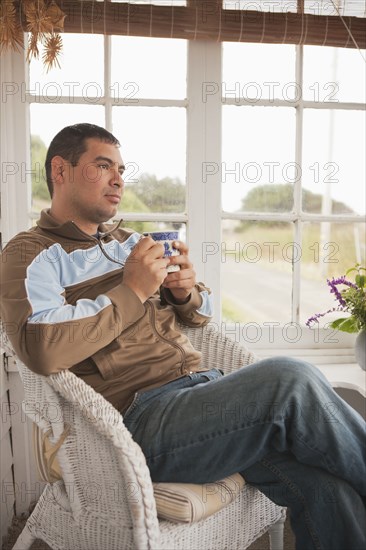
{"type": "Point", "coordinates": [65, 306]}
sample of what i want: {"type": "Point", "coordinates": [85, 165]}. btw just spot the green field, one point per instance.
{"type": "Point", "coordinates": [344, 246]}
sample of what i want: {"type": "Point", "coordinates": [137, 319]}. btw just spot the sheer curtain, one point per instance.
{"type": "Point", "coordinates": [14, 146]}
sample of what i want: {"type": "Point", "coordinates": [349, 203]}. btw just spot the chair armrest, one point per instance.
{"type": "Point", "coordinates": [5, 344]}
{"type": "Point", "coordinates": [116, 459]}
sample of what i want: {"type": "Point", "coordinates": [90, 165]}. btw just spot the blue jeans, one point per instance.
{"type": "Point", "coordinates": [280, 424]}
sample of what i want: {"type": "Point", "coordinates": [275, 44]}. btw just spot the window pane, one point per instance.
{"type": "Point", "coordinates": [334, 74]}
{"type": "Point", "coordinates": [256, 262]}
{"type": "Point", "coordinates": [80, 75]}
{"type": "Point", "coordinates": [259, 71]}
{"type": "Point", "coordinates": [334, 161]}
{"type": "Point", "coordinates": [45, 122]}
{"type": "Point", "coordinates": [329, 250]}
{"type": "Point", "coordinates": [258, 146]}
{"type": "Point", "coordinates": [153, 146]}
{"type": "Point", "coordinates": [262, 5]}
{"type": "Point", "coordinates": [142, 227]}
{"type": "Point", "coordinates": [148, 67]}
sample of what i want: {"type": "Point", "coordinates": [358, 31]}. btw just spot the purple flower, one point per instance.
{"type": "Point", "coordinates": [343, 281]}
{"type": "Point", "coordinates": [350, 300]}
{"type": "Point", "coordinates": [334, 290]}
{"type": "Point", "coordinates": [314, 318]}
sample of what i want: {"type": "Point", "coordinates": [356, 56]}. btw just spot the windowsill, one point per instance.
{"type": "Point", "coordinates": [346, 375]}
{"type": "Point", "coordinates": [329, 350]}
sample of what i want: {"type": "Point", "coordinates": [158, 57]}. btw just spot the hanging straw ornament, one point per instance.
{"type": "Point", "coordinates": [43, 21]}
{"type": "Point", "coordinates": [11, 33]}
{"type": "Point", "coordinates": [52, 50]}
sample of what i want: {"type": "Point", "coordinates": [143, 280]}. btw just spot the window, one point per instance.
{"type": "Point", "coordinates": [293, 176]}
{"type": "Point", "coordinates": [254, 151]}
{"type": "Point", "coordinates": [144, 93]}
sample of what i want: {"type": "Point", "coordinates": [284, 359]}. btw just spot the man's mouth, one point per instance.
{"type": "Point", "coordinates": [114, 198]}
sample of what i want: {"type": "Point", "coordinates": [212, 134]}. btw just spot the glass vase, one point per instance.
{"type": "Point", "coordinates": [360, 349]}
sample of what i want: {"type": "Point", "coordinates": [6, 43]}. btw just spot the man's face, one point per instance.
{"type": "Point", "coordinates": [95, 185]}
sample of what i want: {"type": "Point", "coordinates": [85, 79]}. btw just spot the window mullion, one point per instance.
{"type": "Point", "coordinates": [296, 266]}
{"type": "Point", "coordinates": [204, 146]}
{"type": "Point", "coordinates": [107, 83]}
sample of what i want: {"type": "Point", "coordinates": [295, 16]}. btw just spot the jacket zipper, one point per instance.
{"type": "Point", "coordinates": [173, 344]}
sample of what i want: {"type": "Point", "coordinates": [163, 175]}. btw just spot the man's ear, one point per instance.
{"type": "Point", "coordinates": [58, 169]}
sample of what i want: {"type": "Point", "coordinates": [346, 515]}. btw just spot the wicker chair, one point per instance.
{"type": "Point", "coordinates": [105, 499]}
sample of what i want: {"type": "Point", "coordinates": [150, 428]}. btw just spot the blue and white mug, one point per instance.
{"type": "Point", "coordinates": [167, 238]}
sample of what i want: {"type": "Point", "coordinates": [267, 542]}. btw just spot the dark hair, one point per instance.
{"type": "Point", "coordinates": [70, 144]}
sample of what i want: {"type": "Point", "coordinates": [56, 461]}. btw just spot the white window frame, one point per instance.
{"type": "Point", "coordinates": [204, 213]}
{"type": "Point", "coordinates": [298, 216]}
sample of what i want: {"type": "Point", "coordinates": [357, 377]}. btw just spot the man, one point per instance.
{"type": "Point", "coordinates": [77, 294]}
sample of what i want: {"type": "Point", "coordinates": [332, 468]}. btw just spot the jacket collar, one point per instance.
{"type": "Point", "coordinates": [70, 230]}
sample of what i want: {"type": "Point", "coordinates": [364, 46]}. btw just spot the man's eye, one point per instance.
{"type": "Point", "coordinates": [104, 166]}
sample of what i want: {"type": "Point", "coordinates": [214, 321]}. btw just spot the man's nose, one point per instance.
{"type": "Point", "coordinates": [116, 179]}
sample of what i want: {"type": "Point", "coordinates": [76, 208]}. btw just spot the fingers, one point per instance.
{"type": "Point", "coordinates": [185, 278]}
{"type": "Point", "coordinates": [181, 283]}
{"type": "Point", "coordinates": [147, 247]}
{"type": "Point", "coordinates": [182, 260]}
{"type": "Point", "coordinates": [182, 247]}
{"type": "Point", "coordinates": [145, 268]}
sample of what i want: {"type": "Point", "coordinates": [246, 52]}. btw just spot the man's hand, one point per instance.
{"type": "Point", "coordinates": [181, 283]}
{"type": "Point", "coordinates": [145, 268]}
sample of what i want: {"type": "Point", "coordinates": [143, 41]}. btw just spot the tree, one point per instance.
{"type": "Point", "coordinates": [269, 198]}
{"type": "Point", "coordinates": [165, 195]}
{"type": "Point", "coordinates": [38, 157]}
{"type": "Point", "coordinates": [131, 203]}
{"type": "Point", "coordinates": [148, 194]}
{"type": "Point", "coordinates": [279, 198]}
